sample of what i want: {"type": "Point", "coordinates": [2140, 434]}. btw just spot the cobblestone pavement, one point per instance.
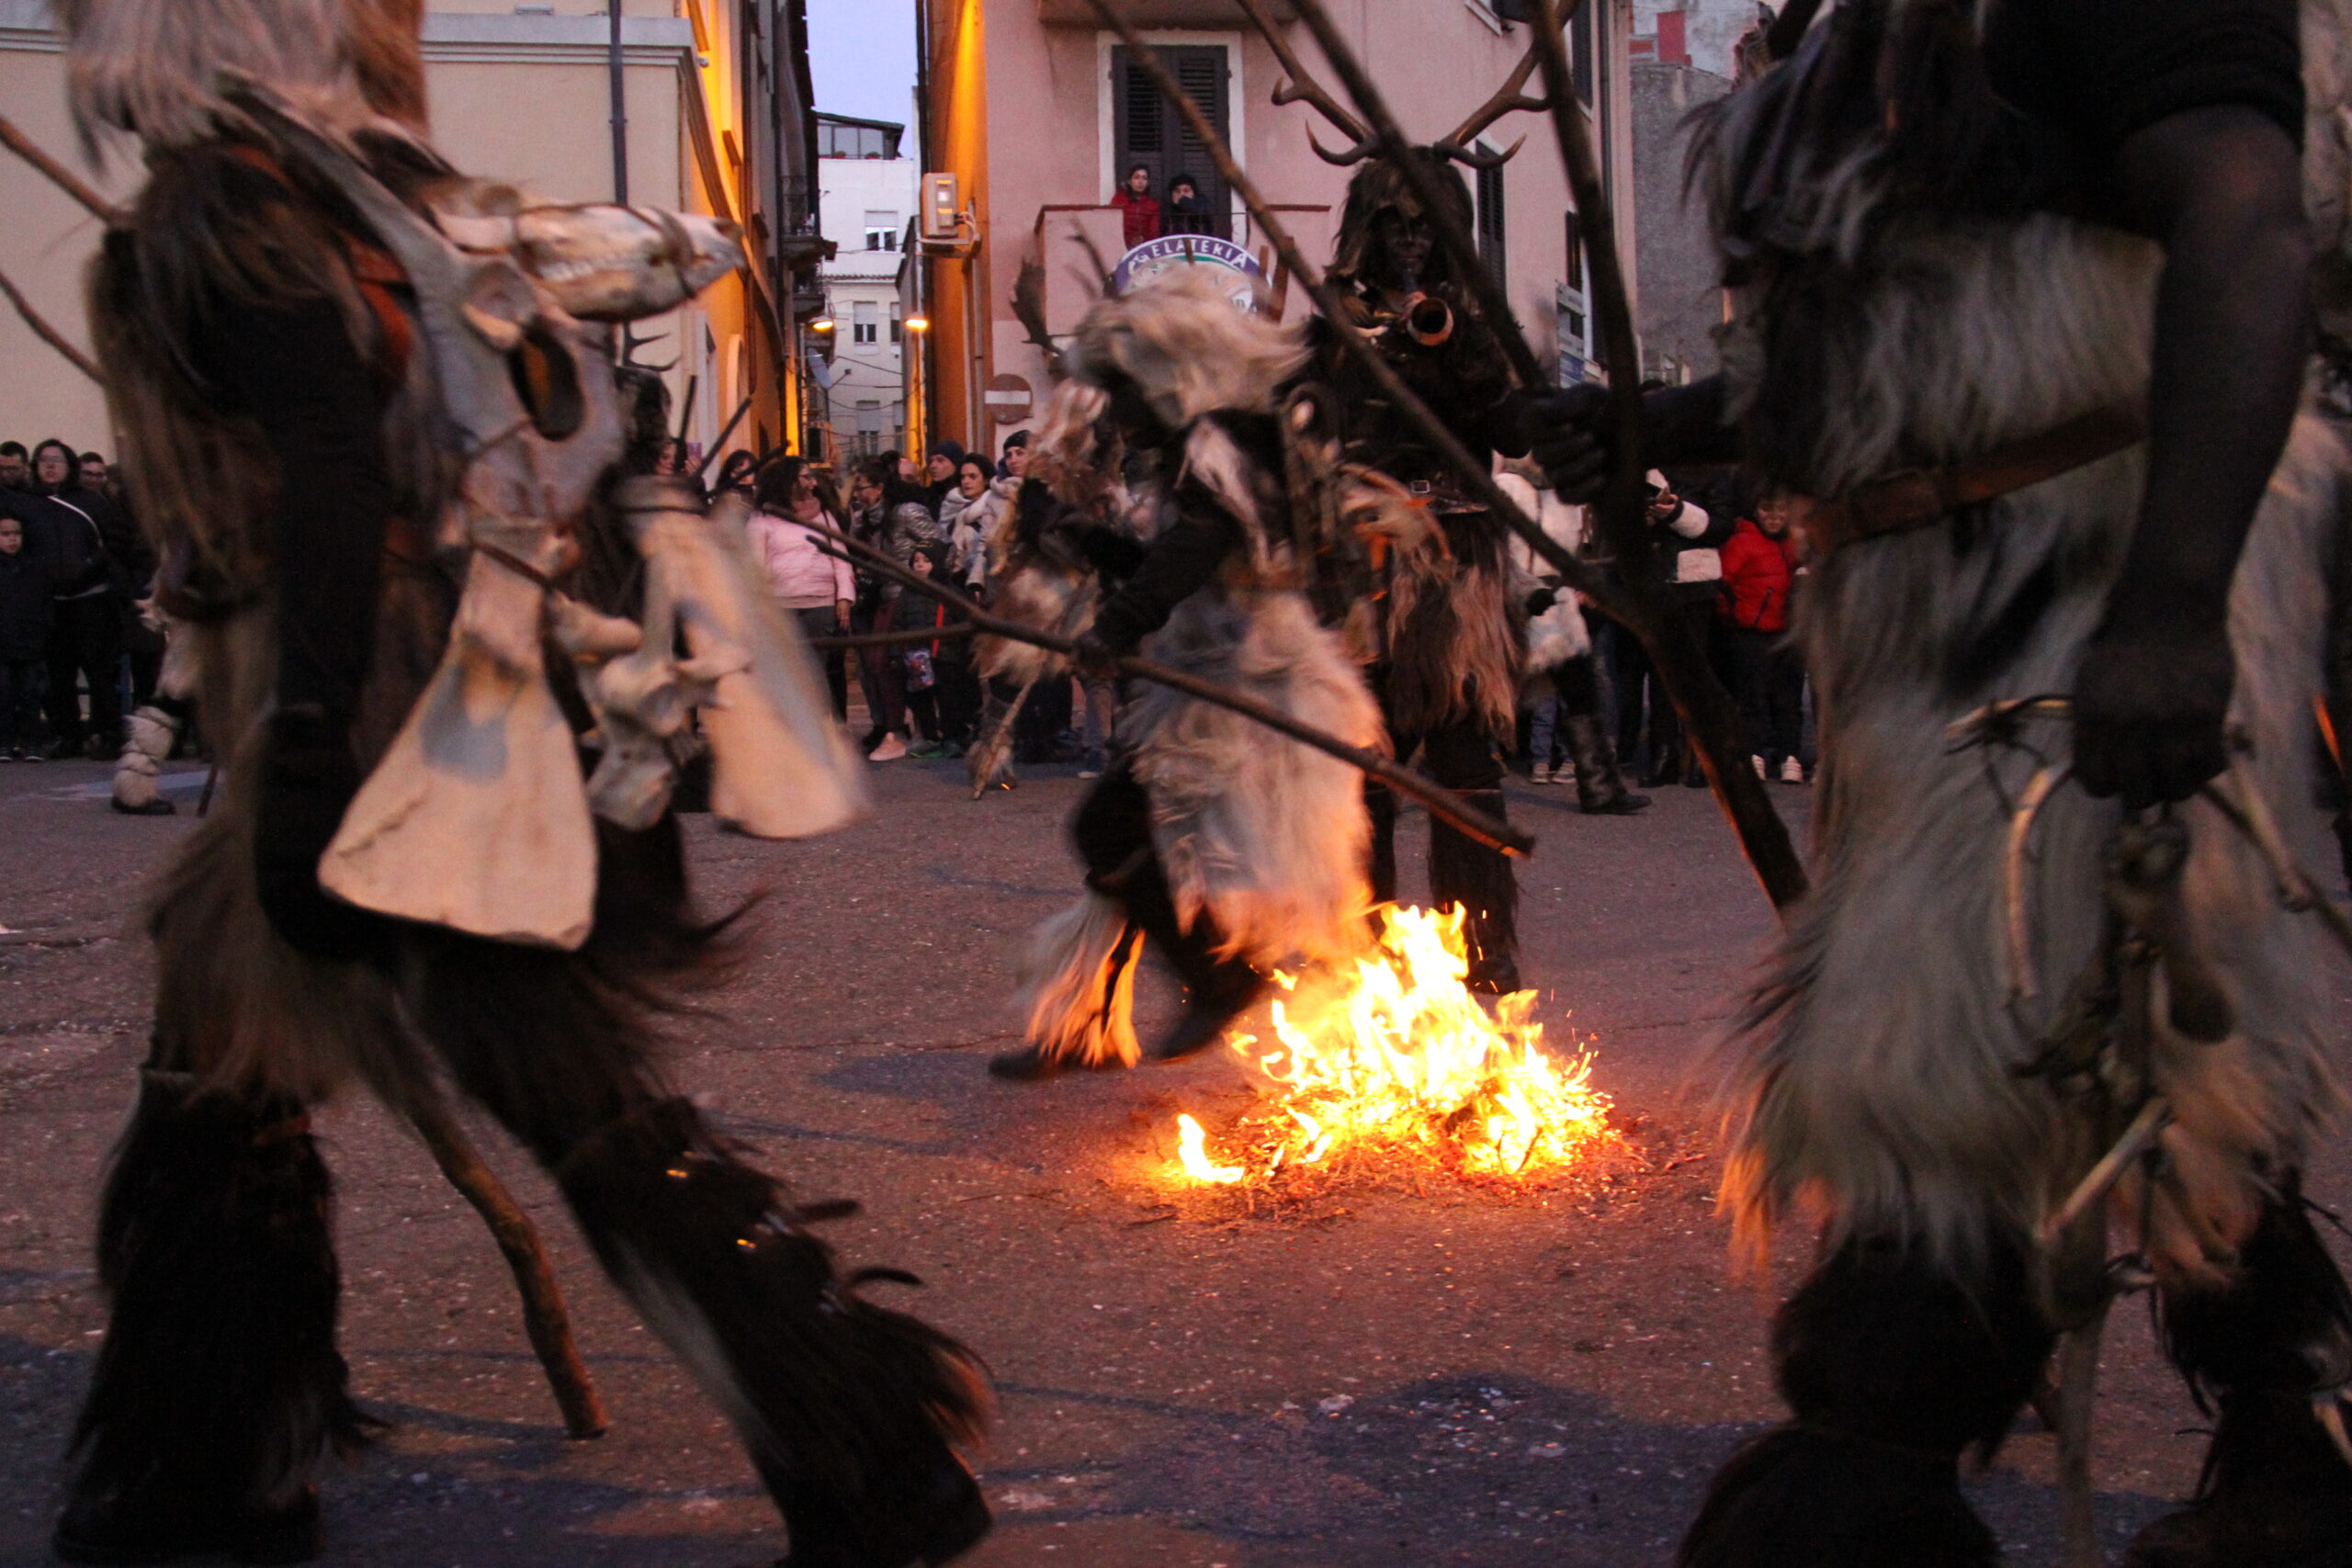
{"type": "Point", "coordinates": [1387, 1378]}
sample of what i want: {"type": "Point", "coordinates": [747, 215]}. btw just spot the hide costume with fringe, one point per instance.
{"type": "Point", "coordinates": [1229, 848]}
{"type": "Point", "coordinates": [309, 324]}
{"type": "Point", "coordinates": [1452, 647]}
{"type": "Point", "coordinates": [1929, 1066]}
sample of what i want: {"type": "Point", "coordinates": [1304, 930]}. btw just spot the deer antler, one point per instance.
{"type": "Point", "coordinates": [1297, 87]}
{"type": "Point", "coordinates": [1508, 99]}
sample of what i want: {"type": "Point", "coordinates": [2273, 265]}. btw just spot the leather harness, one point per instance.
{"type": "Point", "coordinates": [1918, 497]}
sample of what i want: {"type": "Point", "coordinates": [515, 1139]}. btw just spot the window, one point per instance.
{"type": "Point", "coordinates": [1490, 221]}
{"type": "Point", "coordinates": [1575, 252]}
{"type": "Point", "coordinates": [881, 230]}
{"type": "Point", "coordinates": [894, 328]}
{"type": "Point", "coordinates": [1149, 130]}
{"type": "Point", "coordinates": [865, 321]}
{"type": "Point", "coordinates": [868, 439]}
{"type": "Point", "coordinates": [846, 139]}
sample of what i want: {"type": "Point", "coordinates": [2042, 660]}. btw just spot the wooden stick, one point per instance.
{"type": "Point", "coordinates": [47, 334]}
{"type": "Point", "coordinates": [61, 176]}
{"type": "Point", "coordinates": [2137, 1139]}
{"type": "Point", "coordinates": [1708, 716]}
{"type": "Point", "coordinates": [544, 1317]}
{"type": "Point", "coordinates": [1442, 803]}
{"type": "Point", "coordinates": [1643, 606]}
{"type": "Point", "coordinates": [1576, 573]}
{"type": "Point", "coordinates": [2077, 1397]}
{"type": "Point", "coordinates": [890, 640]}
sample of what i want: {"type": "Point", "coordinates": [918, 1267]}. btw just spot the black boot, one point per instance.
{"type": "Point", "coordinates": [1463, 872]}
{"type": "Point", "coordinates": [1600, 787]}
{"type": "Point", "coordinates": [219, 1389]}
{"type": "Point", "coordinates": [847, 1408]}
{"type": "Point", "coordinates": [2276, 1490]}
{"type": "Point", "coordinates": [1380, 806]}
{"type": "Point", "coordinates": [1892, 1368]}
{"type": "Point", "coordinates": [1218, 988]}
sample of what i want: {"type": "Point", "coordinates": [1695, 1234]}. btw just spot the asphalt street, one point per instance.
{"type": "Point", "coordinates": [1383, 1377]}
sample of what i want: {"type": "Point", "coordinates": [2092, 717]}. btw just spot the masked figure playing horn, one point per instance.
{"type": "Point", "coordinates": [1227, 847]}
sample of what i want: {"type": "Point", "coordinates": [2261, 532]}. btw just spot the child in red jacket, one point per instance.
{"type": "Point", "coordinates": [1760, 570]}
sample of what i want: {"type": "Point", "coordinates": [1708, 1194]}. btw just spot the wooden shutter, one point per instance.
{"type": "Point", "coordinates": [1149, 131]}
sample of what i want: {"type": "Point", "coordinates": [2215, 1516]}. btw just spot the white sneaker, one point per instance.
{"type": "Point", "coordinates": [890, 750]}
{"type": "Point", "coordinates": [1791, 770]}
{"type": "Point", "coordinates": [1542, 774]}
{"type": "Point", "coordinates": [1757, 763]}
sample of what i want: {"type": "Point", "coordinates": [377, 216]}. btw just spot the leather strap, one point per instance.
{"type": "Point", "coordinates": [1918, 497]}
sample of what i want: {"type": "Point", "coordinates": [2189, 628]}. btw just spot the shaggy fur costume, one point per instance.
{"type": "Point", "coordinates": [1904, 306]}
{"type": "Point", "coordinates": [1896, 1104]}
{"type": "Point", "coordinates": [218, 1390]}
{"type": "Point", "coordinates": [1257, 844]}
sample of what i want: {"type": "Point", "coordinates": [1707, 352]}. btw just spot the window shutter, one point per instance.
{"type": "Point", "coordinates": [1151, 131]}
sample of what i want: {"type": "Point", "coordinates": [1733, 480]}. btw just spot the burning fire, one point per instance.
{"type": "Point", "coordinates": [1399, 1058]}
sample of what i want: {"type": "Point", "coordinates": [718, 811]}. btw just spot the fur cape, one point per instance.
{"type": "Point", "coordinates": [1873, 1078]}
{"type": "Point", "coordinates": [1266, 834]}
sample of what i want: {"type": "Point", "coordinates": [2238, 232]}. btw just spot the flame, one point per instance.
{"type": "Point", "coordinates": [1391, 1055]}
{"type": "Point", "coordinates": [1192, 1148]}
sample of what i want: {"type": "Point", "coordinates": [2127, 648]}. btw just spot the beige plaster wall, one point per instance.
{"type": "Point", "coordinates": [546, 125]}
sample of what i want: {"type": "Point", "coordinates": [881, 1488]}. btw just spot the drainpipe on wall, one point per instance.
{"type": "Point", "coordinates": [620, 108]}
{"type": "Point", "coordinates": [918, 420]}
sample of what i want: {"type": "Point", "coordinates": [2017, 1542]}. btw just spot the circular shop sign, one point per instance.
{"type": "Point", "coordinates": [1154, 257]}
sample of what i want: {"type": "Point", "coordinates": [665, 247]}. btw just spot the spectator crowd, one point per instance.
{"type": "Point", "coordinates": [1732, 561]}
{"type": "Point", "coordinates": [76, 652]}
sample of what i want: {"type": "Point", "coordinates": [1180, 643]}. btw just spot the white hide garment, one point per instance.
{"type": "Point", "coordinates": [1873, 1077]}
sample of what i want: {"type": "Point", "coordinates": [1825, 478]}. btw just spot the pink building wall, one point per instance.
{"type": "Point", "coordinates": [1045, 112]}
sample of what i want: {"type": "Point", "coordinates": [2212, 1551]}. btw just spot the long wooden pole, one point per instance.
{"type": "Point", "coordinates": [61, 176]}
{"type": "Point", "coordinates": [544, 1317]}
{"type": "Point", "coordinates": [47, 334]}
{"type": "Point", "coordinates": [1709, 716]}
{"type": "Point", "coordinates": [1644, 605]}
{"type": "Point", "coordinates": [1578, 574]}
{"type": "Point", "coordinates": [1442, 802]}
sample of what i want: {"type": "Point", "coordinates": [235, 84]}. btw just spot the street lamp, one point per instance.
{"type": "Point", "coordinates": [821, 324]}
{"type": "Point", "coordinates": [917, 324]}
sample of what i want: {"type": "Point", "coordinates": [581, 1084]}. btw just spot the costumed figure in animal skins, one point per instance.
{"type": "Point", "coordinates": [1452, 644]}
{"type": "Point", "coordinates": [1229, 848]}
{"type": "Point", "coordinates": [1969, 244]}
{"type": "Point", "coordinates": [368, 405]}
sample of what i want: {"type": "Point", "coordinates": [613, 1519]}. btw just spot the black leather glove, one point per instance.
{"type": "Point", "coordinates": [1573, 440]}
{"type": "Point", "coordinates": [1096, 659]}
{"type": "Point", "coordinates": [2149, 711]}
{"type": "Point", "coordinates": [308, 778]}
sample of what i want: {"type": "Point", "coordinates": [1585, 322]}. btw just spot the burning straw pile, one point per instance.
{"type": "Point", "coordinates": [1389, 1069]}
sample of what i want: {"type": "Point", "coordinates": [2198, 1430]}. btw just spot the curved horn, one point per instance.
{"type": "Point", "coordinates": [1787, 29]}
{"type": "Point", "coordinates": [1508, 99]}
{"type": "Point", "coordinates": [1300, 88]}
{"type": "Point", "coordinates": [1349, 159]}
{"type": "Point", "coordinates": [1475, 158]}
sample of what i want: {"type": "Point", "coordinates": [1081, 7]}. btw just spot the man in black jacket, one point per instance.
{"type": "Point", "coordinates": [92, 554]}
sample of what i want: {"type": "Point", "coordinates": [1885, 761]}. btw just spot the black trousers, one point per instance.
{"type": "Point", "coordinates": [86, 643]}
{"type": "Point", "coordinates": [1769, 686]}
{"type": "Point", "coordinates": [21, 681]}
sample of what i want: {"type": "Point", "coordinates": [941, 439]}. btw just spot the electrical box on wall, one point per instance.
{"type": "Point", "coordinates": [943, 207]}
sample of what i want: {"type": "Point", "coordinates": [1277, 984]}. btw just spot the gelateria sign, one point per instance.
{"type": "Point", "coordinates": [1154, 258]}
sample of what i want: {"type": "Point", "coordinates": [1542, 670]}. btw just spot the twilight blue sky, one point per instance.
{"type": "Point", "coordinates": [862, 53]}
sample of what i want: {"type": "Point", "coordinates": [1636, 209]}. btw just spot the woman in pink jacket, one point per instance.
{"type": "Point", "coordinates": [811, 585]}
